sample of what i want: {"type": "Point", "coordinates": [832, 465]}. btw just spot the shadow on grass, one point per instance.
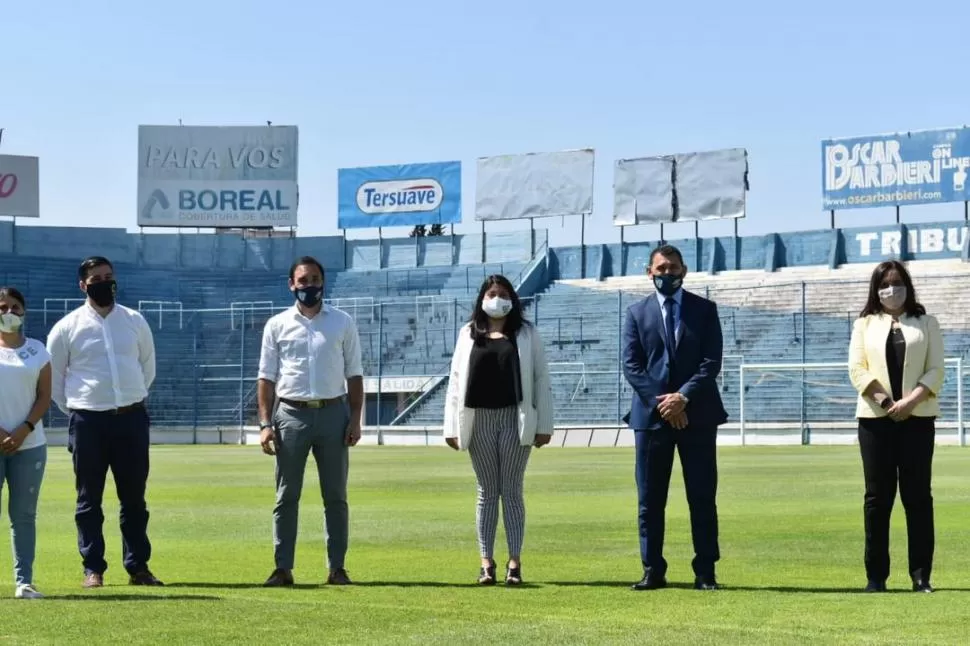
{"type": "Point", "coordinates": [239, 586]}
{"type": "Point", "coordinates": [677, 585]}
{"type": "Point", "coordinates": [131, 597]}
{"type": "Point", "coordinates": [359, 584]}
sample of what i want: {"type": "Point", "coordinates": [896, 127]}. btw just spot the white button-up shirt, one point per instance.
{"type": "Point", "coordinates": [101, 363]}
{"type": "Point", "coordinates": [310, 358]}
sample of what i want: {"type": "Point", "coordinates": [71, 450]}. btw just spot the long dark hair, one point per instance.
{"type": "Point", "coordinates": [14, 293]}
{"type": "Point", "coordinates": [479, 319]}
{"type": "Point", "coordinates": [873, 306]}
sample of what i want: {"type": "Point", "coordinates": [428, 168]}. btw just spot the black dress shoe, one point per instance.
{"type": "Point", "coordinates": [875, 586]}
{"type": "Point", "coordinates": [922, 586]}
{"type": "Point", "coordinates": [650, 582]}
{"type": "Point", "coordinates": [338, 577]}
{"type": "Point", "coordinates": [706, 583]}
{"type": "Point", "coordinates": [279, 578]}
{"type": "Point", "coordinates": [143, 578]}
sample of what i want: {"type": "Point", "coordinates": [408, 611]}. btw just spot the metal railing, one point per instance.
{"type": "Point", "coordinates": [792, 350]}
{"type": "Point", "coordinates": [160, 307]}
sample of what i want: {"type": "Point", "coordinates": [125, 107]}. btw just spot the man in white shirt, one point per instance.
{"type": "Point", "coordinates": [309, 351]}
{"type": "Point", "coordinates": [103, 363]}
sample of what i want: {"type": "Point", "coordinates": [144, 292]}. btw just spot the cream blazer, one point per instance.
{"type": "Point", "coordinates": [535, 409]}
{"type": "Point", "coordinates": [923, 363]}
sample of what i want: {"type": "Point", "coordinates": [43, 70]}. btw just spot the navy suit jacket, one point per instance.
{"type": "Point", "coordinates": [697, 362]}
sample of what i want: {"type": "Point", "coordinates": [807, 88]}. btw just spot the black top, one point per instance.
{"type": "Point", "coordinates": [493, 374]}
{"type": "Point", "coordinates": [895, 356]}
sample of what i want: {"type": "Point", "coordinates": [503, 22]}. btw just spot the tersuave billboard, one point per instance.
{"type": "Point", "coordinates": [202, 176]}
{"type": "Point", "coordinates": [401, 195]}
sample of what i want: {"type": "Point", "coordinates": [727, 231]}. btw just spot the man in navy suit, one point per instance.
{"type": "Point", "coordinates": [672, 345]}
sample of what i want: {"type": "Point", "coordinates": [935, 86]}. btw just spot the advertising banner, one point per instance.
{"type": "Point", "coordinates": [921, 167]}
{"type": "Point", "coordinates": [535, 185]}
{"type": "Point", "coordinates": [400, 195]}
{"type": "Point", "coordinates": [19, 186]}
{"type": "Point", "coordinates": [202, 176]}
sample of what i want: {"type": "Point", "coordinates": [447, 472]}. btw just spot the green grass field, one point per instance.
{"type": "Point", "coordinates": [791, 543]}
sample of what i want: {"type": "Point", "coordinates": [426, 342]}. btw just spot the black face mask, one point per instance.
{"type": "Point", "coordinates": [309, 296]}
{"type": "Point", "coordinates": [103, 293]}
{"type": "Point", "coordinates": [668, 284]}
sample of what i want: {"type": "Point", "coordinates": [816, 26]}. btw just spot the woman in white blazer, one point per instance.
{"type": "Point", "coordinates": [896, 366]}
{"type": "Point", "coordinates": [498, 406]}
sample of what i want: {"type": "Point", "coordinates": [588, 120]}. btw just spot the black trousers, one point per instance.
{"type": "Point", "coordinates": [98, 442]}
{"type": "Point", "coordinates": [898, 453]}
{"type": "Point", "coordinates": [654, 463]}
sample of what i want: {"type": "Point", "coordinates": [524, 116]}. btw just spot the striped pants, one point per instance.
{"type": "Point", "coordinates": [499, 461]}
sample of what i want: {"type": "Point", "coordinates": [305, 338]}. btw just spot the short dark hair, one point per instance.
{"type": "Point", "coordinates": [14, 293]}
{"type": "Point", "coordinates": [90, 263]}
{"type": "Point", "coordinates": [479, 319]}
{"type": "Point", "coordinates": [911, 306]}
{"type": "Point", "coordinates": [667, 251]}
{"type": "Point", "coordinates": [306, 260]}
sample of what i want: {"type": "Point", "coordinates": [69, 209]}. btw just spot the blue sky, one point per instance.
{"type": "Point", "coordinates": [387, 82]}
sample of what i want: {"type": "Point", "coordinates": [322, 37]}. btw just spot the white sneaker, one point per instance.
{"type": "Point", "coordinates": [28, 591]}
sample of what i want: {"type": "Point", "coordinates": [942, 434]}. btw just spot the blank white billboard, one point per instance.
{"type": "Point", "coordinates": [534, 185]}
{"type": "Point", "coordinates": [643, 190]}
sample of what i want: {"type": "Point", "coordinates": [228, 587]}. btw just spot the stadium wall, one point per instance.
{"type": "Point", "coordinates": [233, 251]}
{"type": "Point", "coordinates": [831, 247]}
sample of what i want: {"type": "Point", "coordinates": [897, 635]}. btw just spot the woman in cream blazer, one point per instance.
{"type": "Point", "coordinates": [896, 366]}
{"type": "Point", "coordinates": [498, 406]}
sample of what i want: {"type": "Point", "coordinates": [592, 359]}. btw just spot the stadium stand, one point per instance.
{"type": "Point", "coordinates": [796, 316]}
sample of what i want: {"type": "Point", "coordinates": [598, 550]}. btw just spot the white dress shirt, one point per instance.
{"type": "Point", "coordinates": [308, 358]}
{"type": "Point", "coordinates": [19, 372]}
{"type": "Point", "coordinates": [101, 363]}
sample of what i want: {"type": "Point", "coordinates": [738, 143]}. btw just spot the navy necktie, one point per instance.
{"type": "Point", "coordinates": [670, 329]}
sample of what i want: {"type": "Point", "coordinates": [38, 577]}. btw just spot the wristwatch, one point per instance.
{"type": "Point", "coordinates": [263, 425]}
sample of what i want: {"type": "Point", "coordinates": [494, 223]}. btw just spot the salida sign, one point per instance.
{"type": "Point", "coordinates": [217, 177]}
{"type": "Point", "coordinates": [19, 186]}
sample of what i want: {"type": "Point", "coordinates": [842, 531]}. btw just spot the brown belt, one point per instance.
{"type": "Point", "coordinates": [313, 403]}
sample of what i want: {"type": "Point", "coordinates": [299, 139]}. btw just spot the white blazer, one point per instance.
{"type": "Point", "coordinates": [923, 363]}
{"type": "Point", "coordinates": [535, 409]}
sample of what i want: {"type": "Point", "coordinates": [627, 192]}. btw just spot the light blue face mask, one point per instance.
{"type": "Point", "coordinates": [11, 323]}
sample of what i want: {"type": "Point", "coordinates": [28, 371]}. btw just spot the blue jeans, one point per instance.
{"type": "Point", "coordinates": [23, 472]}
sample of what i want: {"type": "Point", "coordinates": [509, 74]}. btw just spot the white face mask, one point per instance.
{"type": "Point", "coordinates": [10, 323]}
{"type": "Point", "coordinates": [497, 308]}
{"type": "Point", "coordinates": [893, 297]}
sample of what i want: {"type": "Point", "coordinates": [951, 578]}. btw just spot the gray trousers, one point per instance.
{"type": "Point", "coordinates": [300, 431]}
